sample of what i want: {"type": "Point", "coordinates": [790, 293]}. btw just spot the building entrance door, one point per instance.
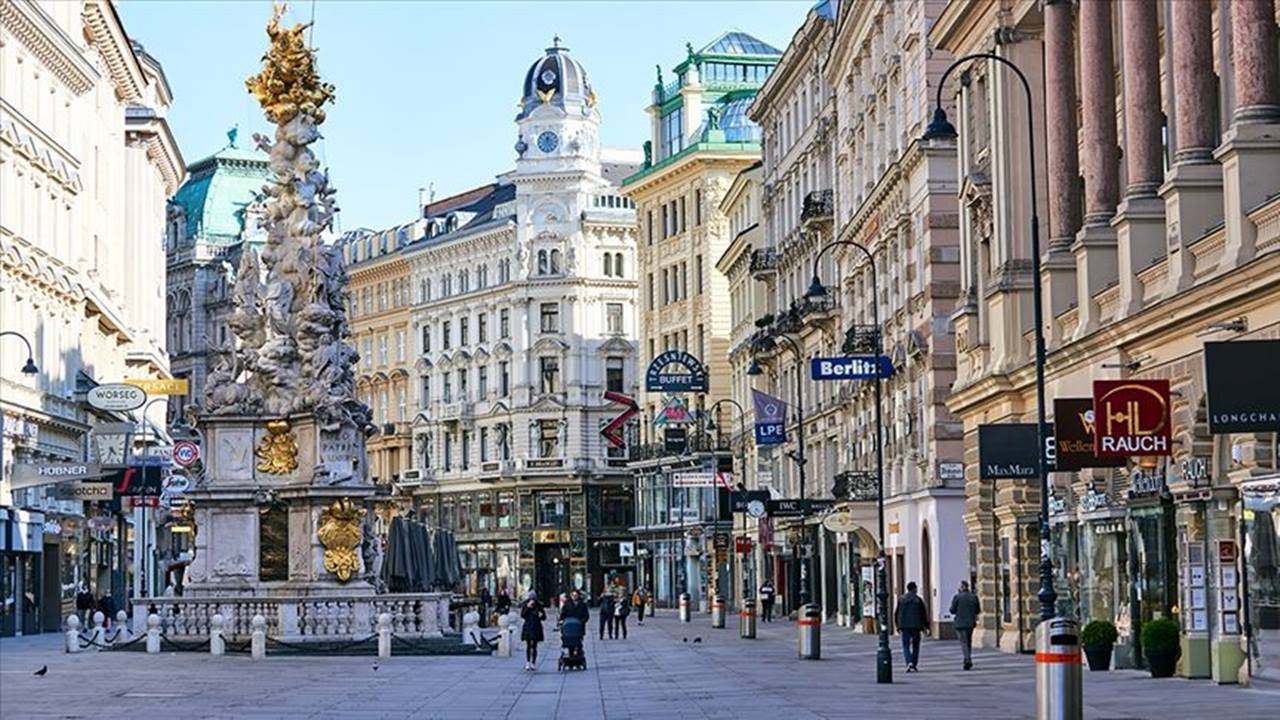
{"type": "Point", "coordinates": [551, 571]}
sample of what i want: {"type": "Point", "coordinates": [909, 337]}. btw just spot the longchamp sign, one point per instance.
{"type": "Point", "coordinates": [1132, 418]}
{"type": "Point", "coordinates": [661, 376]}
{"type": "Point", "coordinates": [1243, 393]}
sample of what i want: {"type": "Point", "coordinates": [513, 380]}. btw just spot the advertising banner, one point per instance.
{"type": "Point", "coordinates": [1073, 428]}
{"type": "Point", "coordinates": [1008, 451]}
{"type": "Point", "coordinates": [660, 376]}
{"type": "Point", "coordinates": [1243, 393]}
{"type": "Point", "coordinates": [1132, 418]}
{"type": "Point", "coordinates": [771, 418]}
{"type": "Point", "coordinates": [852, 367]}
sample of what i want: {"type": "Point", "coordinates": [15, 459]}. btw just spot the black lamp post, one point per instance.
{"type": "Point", "coordinates": [711, 423]}
{"type": "Point", "coordinates": [798, 456]}
{"type": "Point", "coordinates": [29, 367]}
{"type": "Point", "coordinates": [884, 656]}
{"type": "Point", "coordinates": [940, 129]}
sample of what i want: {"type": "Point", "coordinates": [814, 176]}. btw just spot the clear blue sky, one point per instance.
{"type": "Point", "coordinates": [427, 91]}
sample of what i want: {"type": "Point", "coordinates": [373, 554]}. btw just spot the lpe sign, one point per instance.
{"type": "Point", "coordinates": [853, 367]}
{"type": "Point", "coordinates": [1131, 418]}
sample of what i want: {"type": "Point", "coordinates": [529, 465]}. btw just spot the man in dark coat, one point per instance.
{"type": "Point", "coordinates": [606, 613]}
{"type": "Point", "coordinates": [576, 607]}
{"type": "Point", "coordinates": [965, 608]}
{"type": "Point", "coordinates": [912, 617]}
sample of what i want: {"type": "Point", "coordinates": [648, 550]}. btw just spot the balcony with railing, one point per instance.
{"type": "Point", "coordinates": [764, 262]}
{"type": "Point", "coordinates": [460, 411]}
{"type": "Point", "coordinates": [818, 208]}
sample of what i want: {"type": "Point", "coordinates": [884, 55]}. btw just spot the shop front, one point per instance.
{"type": "Point", "coordinates": [21, 572]}
{"type": "Point", "coordinates": [1260, 530]}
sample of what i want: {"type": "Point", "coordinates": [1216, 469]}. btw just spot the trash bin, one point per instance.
{"type": "Point", "coordinates": [747, 620]}
{"type": "Point", "coordinates": [684, 607]}
{"type": "Point", "coordinates": [1059, 689]}
{"type": "Point", "coordinates": [717, 612]}
{"type": "Point", "coordinates": [809, 622]}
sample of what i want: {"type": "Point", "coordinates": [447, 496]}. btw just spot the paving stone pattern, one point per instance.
{"type": "Point", "coordinates": [653, 675]}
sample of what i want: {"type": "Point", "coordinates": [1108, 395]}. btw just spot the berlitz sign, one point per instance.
{"type": "Point", "coordinates": [1008, 451]}
{"type": "Point", "coordinates": [854, 367]}
{"type": "Point", "coordinates": [1131, 418]}
{"type": "Point", "coordinates": [1243, 393]}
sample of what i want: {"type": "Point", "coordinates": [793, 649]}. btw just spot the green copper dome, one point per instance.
{"type": "Point", "coordinates": [217, 190]}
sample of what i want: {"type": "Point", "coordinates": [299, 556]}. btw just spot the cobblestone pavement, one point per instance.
{"type": "Point", "coordinates": [654, 675]}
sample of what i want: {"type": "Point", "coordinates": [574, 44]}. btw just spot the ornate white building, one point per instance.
{"type": "Point", "coordinates": [523, 316]}
{"type": "Point", "coordinates": [86, 162]}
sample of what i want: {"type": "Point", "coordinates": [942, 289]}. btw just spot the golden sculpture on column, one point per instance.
{"type": "Point", "coordinates": [339, 533]}
{"type": "Point", "coordinates": [278, 451]}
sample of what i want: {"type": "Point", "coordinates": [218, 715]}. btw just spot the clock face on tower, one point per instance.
{"type": "Point", "coordinates": [548, 141]}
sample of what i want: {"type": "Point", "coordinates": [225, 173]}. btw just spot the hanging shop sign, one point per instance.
{"type": "Point", "coordinates": [1008, 451]}
{"type": "Point", "coordinates": [771, 418]}
{"type": "Point", "coordinates": [32, 474]}
{"type": "Point", "coordinates": [116, 397]}
{"type": "Point", "coordinates": [853, 367]}
{"type": "Point", "coordinates": [185, 453]}
{"type": "Point", "coordinates": [1108, 527]}
{"type": "Point", "coordinates": [665, 375]}
{"type": "Point", "coordinates": [693, 479]}
{"type": "Point", "coordinates": [795, 507]}
{"type": "Point", "coordinates": [613, 431]}
{"type": "Point", "coordinates": [111, 442]}
{"type": "Point", "coordinates": [1073, 429]}
{"type": "Point", "coordinates": [177, 386]}
{"type": "Point", "coordinates": [675, 440]}
{"type": "Point", "coordinates": [1094, 500]}
{"type": "Point", "coordinates": [840, 521]}
{"type": "Point", "coordinates": [84, 491]}
{"type": "Point", "coordinates": [1057, 505]}
{"type": "Point", "coordinates": [138, 480]}
{"type": "Point", "coordinates": [1243, 393]}
{"type": "Point", "coordinates": [739, 500]}
{"type": "Point", "coordinates": [1145, 482]}
{"type": "Point", "coordinates": [1132, 418]}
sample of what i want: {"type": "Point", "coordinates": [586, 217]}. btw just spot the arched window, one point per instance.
{"type": "Point", "coordinates": [542, 262]}
{"type": "Point", "coordinates": [608, 264]}
{"type": "Point", "coordinates": [555, 262]}
{"type": "Point", "coordinates": [617, 264]}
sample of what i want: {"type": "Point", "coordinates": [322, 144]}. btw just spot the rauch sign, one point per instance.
{"type": "Point", "coordinates": [1131, 418]}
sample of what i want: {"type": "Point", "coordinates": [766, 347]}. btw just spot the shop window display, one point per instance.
{"type": "Point", "coordinates": [1262, 569]}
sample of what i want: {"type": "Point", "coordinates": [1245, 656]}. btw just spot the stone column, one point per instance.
{"type": "Point", "coordinates": [1250, 151]}
{"type": "Point", "coordinates": [1059, 267]}
{"type": "Point", "coordinates": [1193, 188]}
{"type": "Point", "coordinates": [1139, 223]}
{"type": "Point", "coordinates": [1095, 245]}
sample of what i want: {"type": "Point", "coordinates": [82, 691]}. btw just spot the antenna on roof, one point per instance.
{"type": "Point", "coordinates": [555, 41]}
{"type": "Point", "coordinates": [431, 192]}
{"type": "Point", "coordinates": [422, 205]}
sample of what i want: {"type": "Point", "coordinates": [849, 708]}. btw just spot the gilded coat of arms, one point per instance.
{"type": "Point", "coordinates": [277, 453]}
{"type": "Point", "coordinates": [339, 533]}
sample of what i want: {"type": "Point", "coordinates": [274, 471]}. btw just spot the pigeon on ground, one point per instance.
{"type": "Point", "coordinates": [375, 667]}
{"type": "Point", "coordinates": [684, 639]}
{"type": "Point", "coordinates": [42, 671]}
{"type": "Point", "coordinates": [697, 640]}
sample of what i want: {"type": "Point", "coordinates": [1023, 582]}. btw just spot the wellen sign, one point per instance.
{"type": "Point", "coordinates": [1073, 430]}
{"type": "Point", "coordinates": [1131, 418]}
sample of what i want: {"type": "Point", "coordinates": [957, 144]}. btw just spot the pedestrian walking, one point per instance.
{"type": "Point", "coordinates": [965, 608]}
{"type": "Point", "coordinates": [502, 605]}
{"type": "Point", "coordinates": [84, 605]}
{"type": "Point", "coordinates": [912, 618]}
{"type": "Point", "coordinates": [575, 606]}
{"type": "Point", "coordinates": [107, 606]}
{"type": "Point", "coordinates": [486, 601]}
{"type": "Point", "coordinates": [621, 610]}
{"type": "Point", "coordinates": [767, 596]}
{"type": "Point", "coordinates": [606, 613]}
{"type": "Point", "coordinates": [641, 599]}
{"type": "Point", "coordinates": [533, 614]}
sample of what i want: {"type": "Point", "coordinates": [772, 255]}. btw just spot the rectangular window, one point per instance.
{"type": "Point", "coordinates": [482, 382]}
{"type": "Point", "coordinates": [548, 438]}
{"type": "Point", "coordinates": [701, 349]}
{"type": "Point", "coordinates": [446, 329]}
{"type": "Point", "coordinates": [697, 279]}
{"type": "Point", "coordinates": [426, 339]}
{"type": "Point", "coordinates": [367, 355]}
{"type": "Point", "coordinates": [400, 346]}
{"type": "Point", "coordinates": [684, 281]}
{"type": "Point", "coordinates": [466, 462]}
{"type": "Point", "coordinates": [426, 391]}
{"type": "Point", "coordinates": [447, 390]}
{"type": "Point", "coordinates": [382, 350]}
{"type": "Point", "coordinates": [666, 290]}
{"type": "Point", "coordinates": [651, 305]}
{"type": "Point", "coordinates": [666, 221]}
{"type": "Point", "coordinates": [550, 313]}
{"type": "Point", "coordinates": [683, 216]}
{"type": "Point", "coordinates": [404, 406]}
{"type": "Point", "coordinates": [506, 509]}
{"type": "Point", "coordinates": [504, 323]}
{"type": "Point", "coordinates": [613, 375]}
{"type": "Point", "coordinates": [448, 447]}
{"type": "Point", "coordinates": [549, 374]}
{"type": "Point", "coordinates": [484, 444]}
{"type": "Point", "coordinates": [462, 385]}
{"type": "Point", "coordinates": [649, 225]}
{"type": "Point", "coordinates": [613, 313]}
{"type": "Point", "coordinates": [482, 327]}
{"type": "Point", "coordinates": [504, 378]}
{"type": "Point", "coordinates": [697, 207]}
{"type": "Point", "coordinates": [464, 331]}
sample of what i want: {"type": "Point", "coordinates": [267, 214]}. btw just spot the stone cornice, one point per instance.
{"type": "Point", "coordinates": [102, 27]}
{"type": "Point", "coordinates": [46, 41]}
{"type": "Point", "coordinates": [162, 150]}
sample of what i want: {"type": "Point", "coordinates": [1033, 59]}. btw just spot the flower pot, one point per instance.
{"type": "Point", "coordinates": [1163, 661]}
{"type": "Point", "coordinates": [1099, 656]}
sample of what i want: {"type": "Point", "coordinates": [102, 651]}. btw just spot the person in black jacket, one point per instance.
{"type": "Point", "coordinates": [533, 614]}
{"type": "Point", "coordinates": [912, 618]}
{"type": "Point", "coordinates": [606, 613]}
{"type": "Point", "coordinates": [502, 605]}
{"type": "Point", "coordinates": [576, 607]}
{"type": "Point", "coordinates": [620, 612]}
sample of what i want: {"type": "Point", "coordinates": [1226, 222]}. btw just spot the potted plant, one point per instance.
{"type": "Point", "coordinates": [1098, 639]}
{"type": "Point", "coordinates": [1162, 646]}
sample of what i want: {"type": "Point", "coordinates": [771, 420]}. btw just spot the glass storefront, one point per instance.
{"type": "Point", "coordinates": [1104, 577]}
{"type": "Point", "coordinates": [1153, 567]}
{"type": "Point", "coordinates": [1261, 531]}
{"type": "Point", "coordinates": [1065, 539]}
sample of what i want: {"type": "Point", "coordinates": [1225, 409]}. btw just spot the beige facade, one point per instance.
{"type": "Point", "coordinates": [86, 163]}
{"type": "Point", "coordinates": [1160, 249]}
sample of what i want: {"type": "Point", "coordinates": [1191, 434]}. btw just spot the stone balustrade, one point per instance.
{"type": "Point", "coordinates": [298, 619]}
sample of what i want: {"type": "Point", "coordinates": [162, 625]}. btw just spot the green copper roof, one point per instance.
{"type": "Point", "coordinates": [736, 42]}
{"type": "Point", "coordinates": [702, 146]}
{"type": "Point", "coordinates": [217, 190]}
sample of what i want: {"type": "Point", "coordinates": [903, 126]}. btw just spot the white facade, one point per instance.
{"type": "Point", "coordinates": [86, 164]}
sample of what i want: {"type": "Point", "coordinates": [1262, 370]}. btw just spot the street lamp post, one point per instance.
{"type": "Point", "coordinates": [884, 656]}
{"type": "Point", "coordinates": [940, 128]}
{"type": "Point", "coordinates": [798, 456]}
{"type": "Point", "coordinates": [29, 367]}
{"type": "Point", "coordinates": [742, 433]}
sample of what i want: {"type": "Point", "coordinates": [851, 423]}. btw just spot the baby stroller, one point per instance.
{"type": "Point", "coordinates": [572, 631]}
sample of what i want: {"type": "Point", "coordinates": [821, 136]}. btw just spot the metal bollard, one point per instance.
{"type": "Point", "coordinates": [258, 639]}
{"type": "Point", "coordinates": [1059, 688]}
{"type": "Point", "coordinates": [747, 620]}
{"type": "Point", "coordinates": [73, 634]}
{"type": "Point", "coordinates": [217, 643]}
{"type": "Point", "coordinates": [123, 635]}
{"type": "Point", "coordinates": [810, 625]}
{"type": "Point", "coordinates": [684, 607]}
{"type": "Point", "coordinates": [153, 634]}
{"type": "Point", "coordinates": [717, 612]}
{"type": "Point", "coordinates": [384, 635]}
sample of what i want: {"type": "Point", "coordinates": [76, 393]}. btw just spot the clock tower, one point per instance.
{"type": "Point", "coordinates": [558, 124]}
